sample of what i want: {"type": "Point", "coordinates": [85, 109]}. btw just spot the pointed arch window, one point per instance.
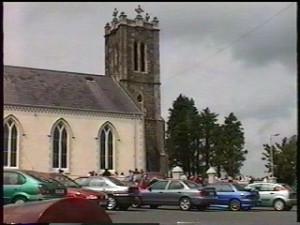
{"type": "Point", "coordinates": [143, 58]}
{"type": "Point", "coordinates": [116, 60]}
{"type": "Point", "coordinates": [60, 146]}
{"type": "Point", "coordinates": [11, 143]}
{"type": "Point", "coordinates": [135, 55]}
{"type": "Point", "coordinates": [106, 148]}
{"type": "Point", "coordinates": [140, 56]}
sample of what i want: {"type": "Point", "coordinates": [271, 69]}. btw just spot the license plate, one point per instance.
{"type": "Point", "coordinates": [59, 191]}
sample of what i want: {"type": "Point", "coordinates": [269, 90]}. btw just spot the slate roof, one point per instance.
{"type": "Point", "coordinates": [58, 89]}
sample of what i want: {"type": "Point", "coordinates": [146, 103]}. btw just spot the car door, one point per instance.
{"type": "Point", "coordinates": [12, 184]}
{"type": "Point", "coordinates": [173, 192]}
{"type": "Point", "coordinates": [267, 194]}
{"type": "Point", "coordinates": [155, 194]}
{"type": "Point", "coordinates": [98, 184]}
{"type": "Point", "coordinates": [226, 193]}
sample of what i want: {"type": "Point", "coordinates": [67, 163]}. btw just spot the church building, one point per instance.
{"type": "Point", "coordinates": [90, 122]}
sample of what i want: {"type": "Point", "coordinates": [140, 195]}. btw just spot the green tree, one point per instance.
{"type": "Point", "coordinates": [284, 159]}
{"type": "Point", "coordinates": [181, 133]}
{"type": "Point", "coordinates": [208, 128]}
{"type": "Point", "coordinates": [231, 145]}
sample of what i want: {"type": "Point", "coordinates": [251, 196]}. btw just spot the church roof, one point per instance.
{"type": "Point", "coordinates": [68, 90]}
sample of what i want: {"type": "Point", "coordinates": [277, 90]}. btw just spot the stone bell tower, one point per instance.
{"type": "Point", "coordinates": [132, 58]}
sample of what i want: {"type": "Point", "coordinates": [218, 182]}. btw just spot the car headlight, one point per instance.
{"type": "Point", "coordinates": [92, 197]}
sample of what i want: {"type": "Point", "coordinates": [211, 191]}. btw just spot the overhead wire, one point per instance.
{"type": "Point", "coordinates": [231, 43]}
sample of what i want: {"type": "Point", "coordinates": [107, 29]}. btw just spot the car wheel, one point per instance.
{"type": "Point", "coordinates": [137, 203]}
{"type": "Point", "coordinates": [201, 208]}
{"type": "Point", "coordinates": [279, 205]}
{"type": "Point", "coordinates": [112, 203]}
{"type": "Point", "coordinates": [153, 206]}
{"type": "Point", "coordinates": [235, 205]}
{"type": "Point", "coordinates": [185, 204]}
{"type": "Point", "coordinates": [20, 200]}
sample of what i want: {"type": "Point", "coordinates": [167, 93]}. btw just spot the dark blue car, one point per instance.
{"type": "Point", "coordinates": [234, 196]}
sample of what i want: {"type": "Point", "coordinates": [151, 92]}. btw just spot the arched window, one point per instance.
{"type": "Point", "coordinates": [106, 148]}
{"type": "Point", "coordinates": [135, 56]}
{"type": "Point", "coordinates": [140, 56]}
{"type": "Point", "coordinates": [11, 143]}
{"type": "Point", "coordinates": [143, 57]}
{"type": "Point", "coordinates": [60, 146]}
{"type": "Point", "coordinates": [116, 58]}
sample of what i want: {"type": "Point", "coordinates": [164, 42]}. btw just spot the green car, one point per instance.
{"type": "Point", "coordinates": [20, 186]}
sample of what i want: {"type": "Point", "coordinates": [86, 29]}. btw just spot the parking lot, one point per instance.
{"type": "Point", "coordinates": [172, 215]}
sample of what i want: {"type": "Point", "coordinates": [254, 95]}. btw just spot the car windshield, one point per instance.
{"type": "Point", "coordinates": [66, 181]}
{"type": "Point", "coordinates": [287, 187]}
{"type": "Point", "coordinates": [42, 177]}
{"type": "Point", "coordinates": [116, 181]}
{"type": "Point", "coordinates": [192, 184]}
{"type": "Point", "coordinates": [240, 187]}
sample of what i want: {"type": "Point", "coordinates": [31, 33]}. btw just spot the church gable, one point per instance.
{"type": "Point", "coordinates": [57, 89]}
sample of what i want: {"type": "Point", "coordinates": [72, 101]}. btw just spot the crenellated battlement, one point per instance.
{"type": "Point", "coordinates": [140, 20]}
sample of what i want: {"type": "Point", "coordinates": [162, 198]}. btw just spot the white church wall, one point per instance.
{"type": "Point", "coordinates": [35, 147]}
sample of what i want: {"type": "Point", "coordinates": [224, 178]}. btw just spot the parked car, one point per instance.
{"type": "Point", "coordinates": [187, 194]}
{"type": "Point", "coordinates": [76, 190]}
{"type": "Point", "coordinates": [20, 186]}
{"type": "Point", "coordinates": [120, 195]}
{"type": "Point", "coordinates": [276, 195]}
{"type": "Point", "coordinates": [234, 196]}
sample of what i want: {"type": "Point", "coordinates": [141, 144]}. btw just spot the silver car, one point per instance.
{"type": "Point", "coordinates": [184, 193]}
{"type": "Point", "coordinates": [279, 196]}
{"type": "Point", "coordinates": [120, 196]}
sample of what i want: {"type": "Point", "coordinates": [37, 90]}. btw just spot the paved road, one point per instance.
{"type": "Point", "coordinates": [172, 215]}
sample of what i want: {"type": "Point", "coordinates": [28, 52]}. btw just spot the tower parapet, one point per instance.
{"type": "Point", "coordinates": [140, 21]}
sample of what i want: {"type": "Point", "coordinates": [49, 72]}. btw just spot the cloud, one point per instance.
{"type": "Point", "coordinates": [230, 57]}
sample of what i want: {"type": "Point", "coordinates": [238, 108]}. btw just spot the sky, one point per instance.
{"type": "Point", "coordinates": [230, 57]}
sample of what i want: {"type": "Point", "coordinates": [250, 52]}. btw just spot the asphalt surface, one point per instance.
{"type": "Point", "coordinates": [173, 215]}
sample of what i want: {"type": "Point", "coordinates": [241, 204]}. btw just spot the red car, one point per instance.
{"type": "Point", "coordinates": [75, 190]}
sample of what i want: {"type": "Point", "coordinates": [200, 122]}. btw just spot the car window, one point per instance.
{"type": "Point", "coordinates": [192, 184]}
{"type": "Point", "coordinates": [226, 188]}
{"type": "Point", "coordinates": [116, 181]}
{"type": "Point", "coordinates": [40, 176]}
{"type": "Point", "coordinates": [266, 187]}
{"type": "Point", "coordinates": [12, 178]}
{"type": "Point", "coordinates": [253, 187]}
{"type": "Point", "coordinates": [159, 185]}
{"type": "Point", "coordinates": [97, 182]}
{"type": "Point", "coordinates": [66, 180]}
{"type": "Point", "coordinates": [216, 186]}
{"type": "Point", "coordinates": [175, 185]}
{"type": "Point", "coordinates": [82, 181]}
{"type": "Point", "coordinates": [239, 187]}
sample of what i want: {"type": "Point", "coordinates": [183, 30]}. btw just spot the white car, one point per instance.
{"type": "Point", "coordinates": [276, 195]}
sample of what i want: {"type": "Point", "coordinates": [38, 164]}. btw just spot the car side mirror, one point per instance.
{"type": "Point", "coordinates": [150, 188]}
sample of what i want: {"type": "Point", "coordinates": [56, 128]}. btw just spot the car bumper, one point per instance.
{"type": "Point", "coordinates": [203, 201]}
{"type": "Point", "coordinates": [249, 202]}
{"type": "Point", "coordinates": [100, 202]}
{"type": "Point", "coordinates": [124, 200]}
{"type": "Point", "coordinates": [291, 202]}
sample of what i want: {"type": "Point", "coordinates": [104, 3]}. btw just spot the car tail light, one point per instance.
{"type": "Point", "coordinates": [203, 193]}
{"type": "Point", "coordinates": [44, 190]}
